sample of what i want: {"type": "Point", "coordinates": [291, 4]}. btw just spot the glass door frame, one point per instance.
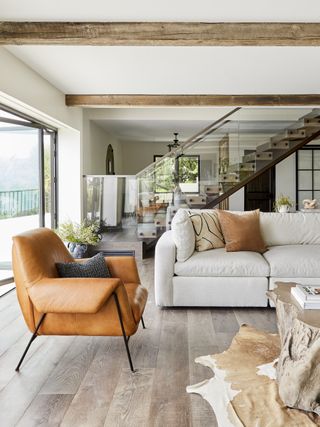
{"type": "Point", "coordinates": [43, 129]}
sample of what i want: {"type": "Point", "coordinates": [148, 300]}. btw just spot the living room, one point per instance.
{"type": "Point", "coordinates": [182, 142]}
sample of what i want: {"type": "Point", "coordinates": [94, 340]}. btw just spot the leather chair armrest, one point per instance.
{"type": "Point", "coordinates": [72, 295]}
{"type": "Point", "coordinates": [123, 267]}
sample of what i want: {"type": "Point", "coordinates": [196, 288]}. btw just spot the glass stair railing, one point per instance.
{"type": "Point", "coordinates": [201, 173]}
{"type": "Point", "coordinates": [218, 161]}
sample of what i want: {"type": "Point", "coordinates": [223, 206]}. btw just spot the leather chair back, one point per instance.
{"type": "Point", "coordinates": [34, 255]}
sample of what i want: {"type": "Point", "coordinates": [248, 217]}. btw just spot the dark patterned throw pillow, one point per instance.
{"type": "Point", "coordinates": [95, 267]}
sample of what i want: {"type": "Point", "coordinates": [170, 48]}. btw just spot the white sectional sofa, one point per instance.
{"type": "Point", "coordinates": [240, 279]}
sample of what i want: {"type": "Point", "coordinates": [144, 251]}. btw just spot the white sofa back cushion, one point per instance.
{"type": "Point", "coordinates": [183, 235]}
{"type": "Point", "coordinates": [290, 228]}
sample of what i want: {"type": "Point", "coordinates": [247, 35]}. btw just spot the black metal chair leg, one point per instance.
{"type": "Point", "coordinates": [34, 336]}
{"type": "Point", "coordinates": [142, 321]}
{"type": "Point", "coordinates": [126, 340]}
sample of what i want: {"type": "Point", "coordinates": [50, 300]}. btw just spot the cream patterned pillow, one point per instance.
{"type": "Point", "coordinates": [207, 229]}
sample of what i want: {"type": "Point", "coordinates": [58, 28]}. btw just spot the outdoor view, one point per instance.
{"type": "Point", "coordinates": [19, 184]}
{"type": "Point", "coordinates": [187, 174]}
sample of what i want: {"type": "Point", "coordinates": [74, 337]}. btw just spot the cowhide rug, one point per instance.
{"type": "Point", "coordinates": [243, 391]}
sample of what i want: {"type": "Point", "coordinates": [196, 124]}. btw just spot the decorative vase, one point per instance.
{"type": "Point", "coordinates": [283, 208]}
{"type": "Point", "coordinates": [178, 196]}
{"type": "Point", "coordinates": [77, 250]}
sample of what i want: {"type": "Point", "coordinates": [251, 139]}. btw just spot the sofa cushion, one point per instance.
{"type": "Point", "coordinates": [290, 228]}
{"type": "Point", "coordinates": [208, 233]}
{"type": "Point", "coordinates": [218, 262]}
{"type": "Point", "coordinates": [242, 232]}
{"type": "Point", "coordinates": [183, 235]}
{"type": "Point", "coordinates": [294, 260]}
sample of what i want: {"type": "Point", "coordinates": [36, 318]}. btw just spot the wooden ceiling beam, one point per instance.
{"type": "Point", "coordinates": [159, 33]}
{"type": "Point", "coordinates": [191, 100]}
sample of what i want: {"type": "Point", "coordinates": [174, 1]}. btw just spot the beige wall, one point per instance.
{"type": "Point", "coordinates": [139, 154]}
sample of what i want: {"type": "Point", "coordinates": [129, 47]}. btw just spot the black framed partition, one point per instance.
{"type": "Point", "coordinates": [307, 174]}
{"type": "Point", "coordinates": [28, 177]}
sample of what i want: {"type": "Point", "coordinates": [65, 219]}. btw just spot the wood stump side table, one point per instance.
{"type": "Point", "coordinates": [298, 368]}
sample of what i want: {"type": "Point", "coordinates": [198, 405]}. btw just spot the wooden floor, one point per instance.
{"type": "Point", "coordinates": [85, 381]}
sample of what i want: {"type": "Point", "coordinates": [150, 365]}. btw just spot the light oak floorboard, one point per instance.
{"type": "Point", "coordinates": [85, 381]}
{"type": "Point", "coordinates": [201, 341]}
{"type": "Point", "coordinates": [46, 410]}
{"type": "Point", "coordinates": [7, 300]}
{"type": "Point", "coordinates": [69, 373]}
{"type": "Point", "coordinates": [261, 318]}
{"type": "Point", "coordinates": [25, 385]}
{"type": "Point", "coordinates": [170, 404]}
{"type": "Point", "coordinates": [10, 358]}
{"type": "Point", "coordinates": [131, 401]}
{"type": "Point", "coordinates": [92, 400]}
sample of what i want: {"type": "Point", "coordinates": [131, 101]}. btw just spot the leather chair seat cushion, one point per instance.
{"type": "Point", "coordinates": [294, 260]}
{"type": "Point", "coordinates": [95, 267]}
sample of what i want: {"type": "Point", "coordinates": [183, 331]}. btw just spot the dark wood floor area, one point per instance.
{"type": "Point", "coordinates": [85, 381]}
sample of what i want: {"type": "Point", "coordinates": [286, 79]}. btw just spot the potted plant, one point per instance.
{"type": "Point", "coordinates": [283, 204]}
{"type": "Point", "coordinates": [79, 236]}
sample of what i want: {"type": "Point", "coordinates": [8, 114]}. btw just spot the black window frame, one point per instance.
{"type": "Point", "coordinates": [311, 148]}
{"type": "Point", "coordinates": [197, 156]}
{"type": "Point", "coordinates": [43, 129]}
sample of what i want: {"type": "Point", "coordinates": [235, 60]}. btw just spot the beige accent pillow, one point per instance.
{"type": "Point", "coordinates": [242, 232]}
{"type": "Point", "coordinates": [207, 230]}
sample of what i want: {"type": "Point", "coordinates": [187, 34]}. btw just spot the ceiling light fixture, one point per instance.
{"type": "Point", "coordinates": [176, 142]}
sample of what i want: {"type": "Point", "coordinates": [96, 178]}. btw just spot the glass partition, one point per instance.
{"type": "Point", "coordinates": [203, 171]}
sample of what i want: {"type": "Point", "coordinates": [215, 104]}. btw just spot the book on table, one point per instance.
{"type": "Point", "coordinates": [307, 296]}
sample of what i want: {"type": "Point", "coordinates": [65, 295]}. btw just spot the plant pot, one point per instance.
{"type": "Point", "coordinates": [283, 208]}
{"type": "Point", "coordinates": [77, 250]}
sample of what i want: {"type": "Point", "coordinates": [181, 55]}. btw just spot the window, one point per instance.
{"type": "Point", "coordinates": [188, 173]}
{"type": "Point", "coordinates": [308, 174]}
{"type": "Point", "coordinates": [27, 178]}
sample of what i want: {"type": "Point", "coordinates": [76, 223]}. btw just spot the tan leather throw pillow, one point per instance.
{"type": "Point", "coordinates": [242, 232]}
{"type": "Point", "coordinates": [207, 230]}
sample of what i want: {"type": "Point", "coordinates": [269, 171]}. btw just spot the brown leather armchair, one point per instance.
{"type": "Point", "coordinates": [74, 306]}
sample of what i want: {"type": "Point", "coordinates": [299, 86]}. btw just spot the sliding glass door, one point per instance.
{"type": "Point", "coordinates": [27, 179]}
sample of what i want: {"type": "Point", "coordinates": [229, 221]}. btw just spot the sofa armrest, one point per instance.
{"type": "Point", "coordinates": [165, 258]}
{"type": "Point", "coordinates": [72, 295]}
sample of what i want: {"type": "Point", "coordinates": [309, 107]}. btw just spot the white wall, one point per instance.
{"type": "Point", "coordinates": [25, 90]}
{"type": "Point", "coordinates": [95, 144]}
{"type": "Point", "coordinates": [139, 154]}
{"type": "Point", "coordinates": [286, 178]}
{"type": "Point", "coordinates": [69, 173]}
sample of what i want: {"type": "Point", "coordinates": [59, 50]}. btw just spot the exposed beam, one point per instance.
{"type": "Point", "coordinates": [191, 100]}
{"type": "Point", "coordinates": [160, 33]}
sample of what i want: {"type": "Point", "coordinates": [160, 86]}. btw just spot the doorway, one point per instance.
{"type": "Point", "coordinates": [260, 193]}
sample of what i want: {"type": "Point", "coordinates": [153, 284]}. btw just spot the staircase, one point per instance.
{"type": "Point", "coordinates": [230, 153]}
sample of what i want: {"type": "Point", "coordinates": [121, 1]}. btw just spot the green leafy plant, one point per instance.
{"type": "Point", "coordinates": [85, 233]}
{"type": "Point", "coordinates": [283, 201]}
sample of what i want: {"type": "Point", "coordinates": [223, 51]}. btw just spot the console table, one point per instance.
{"type": "Point", "coordinates": [298, 368]}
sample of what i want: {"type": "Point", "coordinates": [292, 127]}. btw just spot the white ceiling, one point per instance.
{"type": "Point", "coordinates": [175, 70]}
{"type": "Point", "coordinates": [152, 130]}
{"type": "Point", "coordinates": [164, 10]}
{"type": "Point", "coordinates": [169, 70]}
